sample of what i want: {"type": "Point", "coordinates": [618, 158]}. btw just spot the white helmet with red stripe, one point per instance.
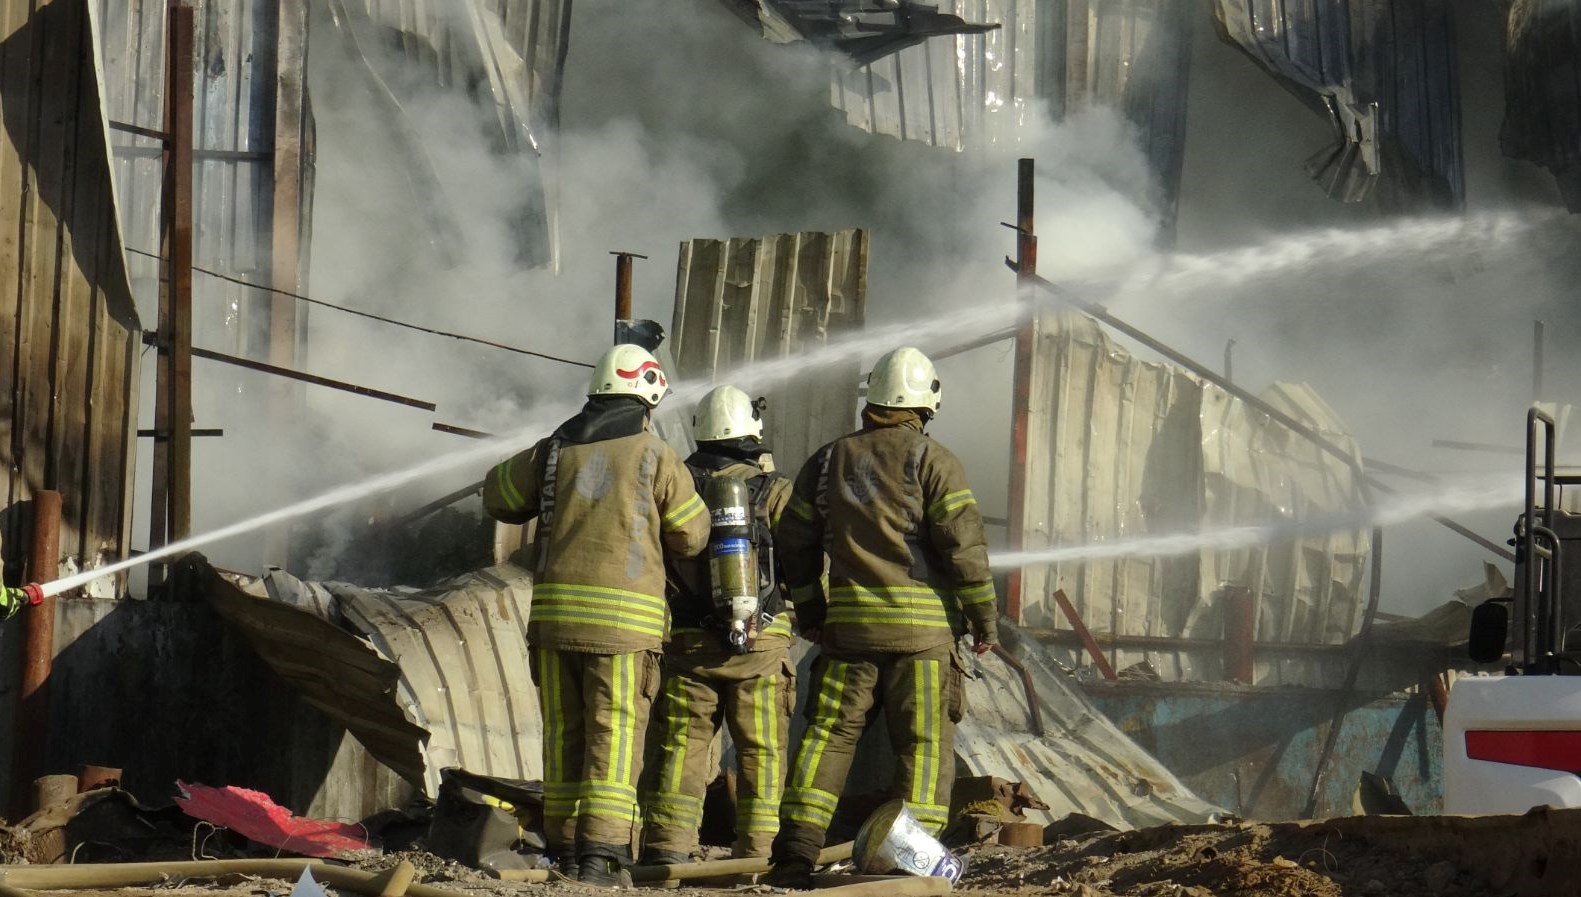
{"type": "Point", "coordinates": [628, 370]}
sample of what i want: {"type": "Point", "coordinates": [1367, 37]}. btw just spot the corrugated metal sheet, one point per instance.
{"type": "Point", "coordinates": [1121, 448]}
{"type": "Point", "coordinates": [1083, 763]}
{"type": "Point", "coordinates": [239, 71]}
{"type": "Point", "coordinates": [743, 300]}
{"type": "Point", "coordinates": [69, 333]}
{"type": "Point", "coordinates": [167, 690]}
{"type": "Point", "coordinates": [1266, 743]}
{"type": "Point", "coordinates": [425, 680]}
{"type": "Point", "coordinates": [1055, 56]}
{"type": "Point", "coordinates": [1384, 72]}
{"type": "Point", "coordinates": [1542, 90]}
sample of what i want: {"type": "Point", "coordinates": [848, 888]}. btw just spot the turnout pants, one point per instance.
{"type": "Point", "coordinates": [922, 697]}
{"type": "Point", "coordinates": [595, 714]}
{"type": "Point", "coordinates": [754, 695]}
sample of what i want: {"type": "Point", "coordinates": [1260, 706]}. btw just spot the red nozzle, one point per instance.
{"type": "Point", "coordinates": [35, 593]}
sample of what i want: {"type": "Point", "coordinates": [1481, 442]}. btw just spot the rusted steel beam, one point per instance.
{"type": "Point", "coordinates": [1165, 643]}
{"type": "Point", "coordinates": [139, 130]}
{"type": "Point", "coordinates": [305, 378]}
{"type": "Point", "coordinates": [454, 430]}
{"type": "Point", "coordinates": [623, 266]}
{"type": "Point", "coordinates": [978, 343]}
{"type": "Point", "coordinates": [1085, 635]}
{"type": "Point", "coordinates": [445, 501]}
{"type": "Point", "coordinates": [1021, 383]}
{"type": "Point", "coordinates": [1438, 693]}
{"type": "Point", "coordinates": [196, 432]}
{"type": "Point", "coordinates": [31, 738]}
{"type": "Point", "coordinates": [1352, 672]}
{"type": "Point", "coordinates": [180, 134]}
{"type": "Point", "coordinates": [1034, 712]}
{"type": "Point", "coordinates": [1367, 483]}
{"type": "Point", "coordinates": [1240, 634]}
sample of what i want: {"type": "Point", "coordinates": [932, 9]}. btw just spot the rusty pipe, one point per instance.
{"type": "Point", "coordinates": [1034, 714]}
{"type": "Point", "coordinates": [38, 650]}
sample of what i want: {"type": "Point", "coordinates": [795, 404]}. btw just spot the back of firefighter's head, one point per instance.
{"type": "Point", "coordinates": [628, 370]}
{"type": "Point", "coordinates": [904, 378]}
{"type": "Point", "coordinates": [727, 413]}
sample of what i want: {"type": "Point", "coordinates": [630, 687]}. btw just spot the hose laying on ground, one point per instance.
{"type": "Point", "coordinates": [683, 871]}
{"type": "Point", "coordinates": [396, 882]}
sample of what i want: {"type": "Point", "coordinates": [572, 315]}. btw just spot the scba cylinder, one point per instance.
{"type": "Point", "coordinates": [732, 556]}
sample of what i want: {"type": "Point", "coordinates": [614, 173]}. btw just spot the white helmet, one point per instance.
{"type": "Point", "coordinates": [726, 413]}
{"type": "Point", "coordinates": [904, 378]}
{"type": "Point", "coordinates": [628, 370]}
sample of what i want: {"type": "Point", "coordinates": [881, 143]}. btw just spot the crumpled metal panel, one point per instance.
{"type": "Point", "coordinates": [743, 300]}
{"type": "Point", "coordinates": [513, 52]}
{"type": "Point", "coordinates": [1082, 763]}
{"type": "Point", "coordinates": [1119, 448]}
{"type": "Point", "coordinates": [968, 91]}
{"type": "Point", "coordinates": [1542, 90]}
{"type": "Point", "coordinates": [1384, 72]}
{"type": "Point", "coordinates": [424, 679]}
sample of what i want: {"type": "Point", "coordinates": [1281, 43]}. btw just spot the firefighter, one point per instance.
{"type": "Point", "coordinates": [908, 576]}
{"type": "Point", "coordinates": [611, 500]}
{"type": "Point", "coordinates": [704, 680]}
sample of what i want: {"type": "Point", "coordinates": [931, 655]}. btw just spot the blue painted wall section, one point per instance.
{"type": "Point", "coordinates": [1254, 750]}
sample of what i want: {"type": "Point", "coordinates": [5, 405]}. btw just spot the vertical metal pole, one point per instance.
{"type": "Point", "coordinates": [180, 137]}
{"type": "Point", "coordinates": [285, 247]}
{"type": "Point", "coordinates": [1229, 359]}
{"type": "Point", "coordinates": [623, 268]}
{"type": "Point", "coordinates": [1537, 361]}
{"type": "Point", "coordinates": [1021, 389]}
{"type": "Point", "coordinates": [38, 655]}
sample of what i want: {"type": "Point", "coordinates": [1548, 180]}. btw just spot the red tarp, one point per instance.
{"type": "Point", "coordinates": [255, 815]}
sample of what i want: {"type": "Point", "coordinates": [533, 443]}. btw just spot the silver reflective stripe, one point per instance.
{"type": "Point", "coordinates": [551, 469]}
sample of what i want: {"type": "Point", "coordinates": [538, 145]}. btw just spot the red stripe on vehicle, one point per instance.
{"type": "Point", "coordinates": [1544, 749]}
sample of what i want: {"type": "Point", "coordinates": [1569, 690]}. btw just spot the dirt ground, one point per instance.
{"type": "Point", "coordinates": [1361, 857]}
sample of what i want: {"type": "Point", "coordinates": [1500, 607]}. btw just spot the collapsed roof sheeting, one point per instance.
{"type": "Point", "coordinates": [965, 91]}
{"type": "Point", "coordinates": [1128, 448]}
{"type": "Point", "coordinates": [1385, 74]}
{"type": "Point", "coordinates": [744, 300]}
{"type": "Point", "coordinates": [864, 31]}
{"type": "Point", "coordinates": [1082, 763]}
{"type": "Point", "coordinates": [1542, 84]}
{"type": "Point", "coordinates": [424, 679]}
{"type": "Point", "coordinates": [512, 51]}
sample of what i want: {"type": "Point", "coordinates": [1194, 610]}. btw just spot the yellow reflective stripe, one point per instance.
{"type": "Point", "coordinates": [831, 692]}
{"type": "Point", "coordinates": [892, 616]}
{"type": "Point", "coordinates": [888, 594]}
{"type": "Point", "coordinates": [684, 514]}
{"type": "Point", "coordinates": [623, 729]}
{"type": "Point", "coordinates": [508, 491]}
{"type": "Point", "coordinates": [791, 811]}
{"type": "Point", "coordinates": [769, 784]}
{"type": "Point", "coordinates": [932, 816]}
{"type": "Point", "coordinates": [617, 810]}
{"type": "Point", "coordinates": [578, 616]}
{"type": "Point", "coordinates": [568, 591]}
{"type": "Point", "coordinates": [981, 593]}
{"type": "Point", "coordinates": [926, 732]}
{"type": "Point", "coordinates": [677, 724]}
{"type": "Point", "coordinates": [950, 502]}
{"type": "Point", "coordinates": [780, 626]}
{"type": "Point", "coordinates": [799, 506]}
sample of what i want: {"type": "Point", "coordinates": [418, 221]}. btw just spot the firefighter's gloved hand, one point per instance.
{"type": "Point", "coordinates": [981, 646]}
{"type": "Point", "coordinates": [13, 600]}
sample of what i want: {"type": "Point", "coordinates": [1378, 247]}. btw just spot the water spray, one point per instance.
{"type": "Point", "coordinates": [981, 319]}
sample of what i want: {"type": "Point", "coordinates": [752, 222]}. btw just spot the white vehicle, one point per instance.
{"type": "Point", "coordinates": [1513, 742]}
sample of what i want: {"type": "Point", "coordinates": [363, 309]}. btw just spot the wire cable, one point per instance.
{"type": "Point", "coordinates": [368, 314]}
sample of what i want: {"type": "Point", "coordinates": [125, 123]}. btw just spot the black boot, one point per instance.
{"type": "Point", "coordinates": [790, 873]}
{"type": "Point", "coordinates": [604, 865]}
{"type": "Point", "coordinates": [652, 857]}
{"type": "Point", "coordinates": [567, 865]}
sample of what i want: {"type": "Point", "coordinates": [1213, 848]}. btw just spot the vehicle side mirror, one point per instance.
{"type": "Point", "coordinates": [1490, 629]}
